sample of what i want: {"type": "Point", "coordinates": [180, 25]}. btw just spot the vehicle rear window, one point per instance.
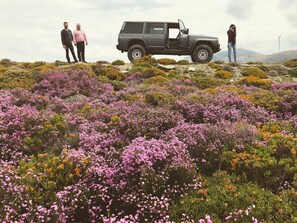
{"type": "Point", "coordinates": [133, 27]}
{"type": "Point", "coordinates": [154, 28]}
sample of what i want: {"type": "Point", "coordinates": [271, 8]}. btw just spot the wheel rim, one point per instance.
{"type": "Point", "coordinates": [203, 54]}
{"type": "Point", "coordinates": [136, 54]}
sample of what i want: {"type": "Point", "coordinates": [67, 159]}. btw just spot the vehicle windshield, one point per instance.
{"type": "Point", "coordinates": [181, 25]}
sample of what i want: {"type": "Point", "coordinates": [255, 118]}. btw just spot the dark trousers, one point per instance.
{"type": "Point", "coordinates": [70, 47]}
{"type": "Point", "coordinates": [81, 51]}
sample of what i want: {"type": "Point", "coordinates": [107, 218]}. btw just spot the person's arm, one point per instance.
{"type": "Point", "coordinates": [85, 37]}
{"type": "Point", "coordinates": [74, 37]}
{"type": "Point", "coordinates": [63, 38]}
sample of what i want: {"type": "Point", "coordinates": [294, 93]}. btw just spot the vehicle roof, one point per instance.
{"type": "Point", "coordinates": [150, 22]}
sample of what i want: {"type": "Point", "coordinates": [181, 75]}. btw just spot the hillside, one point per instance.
{"type": "Point", "coordinates": [244, 56]}
{"type": "Point", "coordinates": [153, 141]}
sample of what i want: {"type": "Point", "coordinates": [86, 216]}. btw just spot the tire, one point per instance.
{"type": "Point", "coordinates": [136, 52]}
{"type": "Point", "coordinates": [202, 54]}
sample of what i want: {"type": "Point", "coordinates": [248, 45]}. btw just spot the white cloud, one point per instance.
{"type": "Point", "coordinates": [32, 28]}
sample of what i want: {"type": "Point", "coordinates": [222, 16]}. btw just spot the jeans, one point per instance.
{"type": "Point", "coordinates": [81, 51]}
{"type": "Point", "coordinates": [70, 47]}
{"type": "Point", "coordinates": [231, 45]}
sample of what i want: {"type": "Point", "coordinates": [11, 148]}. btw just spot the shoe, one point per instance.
{"type": "Point", "coordinates": [85, 62]}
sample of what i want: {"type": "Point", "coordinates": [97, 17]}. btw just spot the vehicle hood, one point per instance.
{"type": "Point", "coordinates": [202, 37]}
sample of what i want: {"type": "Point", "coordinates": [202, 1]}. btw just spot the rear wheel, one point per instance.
{"type": "Point", "coordinates": [136, 52]}
{"type": "Point", "coordinates": [202, 54]}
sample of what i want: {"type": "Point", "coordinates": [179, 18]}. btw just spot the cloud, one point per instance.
{"type": "Point", "coordinates": [242, 9]}
{"type": "Point", "coordinates": [289, 9]}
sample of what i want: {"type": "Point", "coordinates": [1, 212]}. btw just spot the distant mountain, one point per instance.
{"type": "Point", "coordinates": [280, 57]}
{"type": "Point", "coordinates": [244, 55]}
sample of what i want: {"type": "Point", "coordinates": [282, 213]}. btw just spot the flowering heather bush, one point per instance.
{"type": "Point", "coordinates": [62, 84]}
{"type": "Point", "coordinates": [74, 148]}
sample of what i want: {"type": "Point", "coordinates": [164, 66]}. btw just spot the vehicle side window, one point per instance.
{"type": "Point", "coordinates": [154, 28]}
{"type": "Point", "coordinates": [133, 27]}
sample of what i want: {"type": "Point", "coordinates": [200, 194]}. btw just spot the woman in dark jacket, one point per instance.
{"type": "Point", "coordinates": [232, 41]}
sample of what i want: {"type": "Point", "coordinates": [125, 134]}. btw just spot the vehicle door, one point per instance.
{"type": "Point", "coordinates": [154, 36]}
{"type": "Point", "coordinates": [184, 36]}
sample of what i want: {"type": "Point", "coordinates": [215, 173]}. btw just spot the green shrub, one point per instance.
{"type": "Point", "coordinates": [157, 98]}
{"type": "Point", "coordinates": [214, 65]}
{"type": "Point", "coordinates": [267, 100]}
{"type": "Point", "coordinates": [183, 62]}
{"type": "Point", "coordinates": [118, 85]}
{"type": "Point", "coordinates": [291, 63]}
{"type": "Point", "coordinates": [7, 62]}
{"type": "Point", "coordinates": [166, 61]}
{"type": "Point", "coordinates": [223, 74]}
{"type": "Point", "coordinates": [280, 69]}
{"type": "Point", "coordinates": [263, 68]}
{"type": "Point", "coordinates": [159, 80]}
{"type": "Point", "coordinates": [118, 62]}
{"type": "Point", "coordinates": [45, 175]}
{"type": "Point", "coordinates": [114, 74]}
{"type": "Point", "coordinates": [293, 73]}
{"type": "Point", "coordinates": [223, 194]}
{"type": "Point", "coordinates": [36, 64]}
{"type": "Point", "coordinates": [153, 71]}
{"type": "Point", "coordinates": [79, 67]}
{"type": "Point", "coordinates": [255, 81]}
{"type": "Point", "coordinates": [254, 71]}
{"type": "Point", "coordinates": [60, 63]}
{"type": "Point", "coordinates": [146, 59]}
{"type": "Point", "coordinates": [206, 82]}
{"type": "Point", "coordinates": [98, 69]}
{"type": "Point", "coordinates": [12, 79]}
{"type": "Point", "coordinates": [49, 137]}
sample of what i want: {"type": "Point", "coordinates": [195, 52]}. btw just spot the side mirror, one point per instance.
{"type": "Point", "coordinates": [187, 31]}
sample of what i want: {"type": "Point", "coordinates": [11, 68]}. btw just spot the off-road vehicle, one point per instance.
{"type": "Point", "coordinates": [169, 38]}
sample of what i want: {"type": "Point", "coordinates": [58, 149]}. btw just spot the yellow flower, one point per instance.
{"type": "Point", "coordinates": [60, 167]}
{"type": "Point", "coordinates": [77, 171]}
{"type": "Point", "coordinates": [85, 161]}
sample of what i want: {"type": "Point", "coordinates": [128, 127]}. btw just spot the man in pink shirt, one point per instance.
{"type": "Point", "coordinates": [80, 39]}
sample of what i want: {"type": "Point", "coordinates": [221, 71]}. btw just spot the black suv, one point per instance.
{"type": "Point", "coordinates": [169, 38]}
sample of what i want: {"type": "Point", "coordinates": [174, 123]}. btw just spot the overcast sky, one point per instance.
{"type": "Point", "coordinates": [30, 29]}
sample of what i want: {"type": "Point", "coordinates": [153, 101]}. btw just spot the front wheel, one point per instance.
{"type": "Point", "coordinates": [136, 52]}
{"type": "Point", "coordinates": [202, 54]}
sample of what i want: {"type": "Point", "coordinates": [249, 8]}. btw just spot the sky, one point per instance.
{"type": "Point", "coordinates": [30, 29]}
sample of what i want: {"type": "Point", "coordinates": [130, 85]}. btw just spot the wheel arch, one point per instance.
{"type": "Point", "coordinates": [137, 42]}
{"type": "Point", "coordinates": [201, 42]}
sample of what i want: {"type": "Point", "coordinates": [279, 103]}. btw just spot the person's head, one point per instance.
{"type": "Point", "coordinates": [232, 27]}
{"type": "Point", "coordinates": [65, 25]}
{"type": "Point", "coordinates": [78, 26]}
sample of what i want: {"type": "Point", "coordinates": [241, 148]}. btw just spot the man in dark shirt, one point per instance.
{"type": "Point", "coordinates": [67, 38]}
{"type": "Point", "coordinates": [232, 41]}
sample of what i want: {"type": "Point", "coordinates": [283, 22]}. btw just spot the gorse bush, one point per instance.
{"type": "Point", "coordinates": [255, 81]}
{"type": "Point", "coordinates": [118, 62]}
{"type": "Point", "coordinates": [254, 71]}
{"type": "Point", "coordinates": [158, 80]}
{"type": "Point", "coordinates": [291, 63]}
{"type": "Point", "coordinates": [166, 61]}
{"type": "Point", "coordinates": [12, 79]}
{"type": "Point", "coordinates": [223, 74]}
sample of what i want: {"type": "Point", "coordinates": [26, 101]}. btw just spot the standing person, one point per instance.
{"type": "Point", "coordinates": [80, 39]}
{"type": "Point", "coordinates": [67, 38]}
{"type": "Point", "coordinates": [232, 41]}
